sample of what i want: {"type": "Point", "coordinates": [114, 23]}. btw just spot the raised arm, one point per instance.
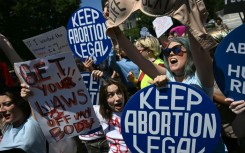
{"type": "Point", "coordinates": [145, 65]}
{"type": "Point", "coordinates": [202, 61]}
{"type": "Point", "coordinates": [25, 93]}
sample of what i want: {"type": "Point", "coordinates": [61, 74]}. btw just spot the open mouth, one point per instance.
{"type": "Point", "coordinates": [118, 105]}
{"type": "Point", "coordinates": [6, 116]}
{"type": "Point", "coordinates": [173, 60]}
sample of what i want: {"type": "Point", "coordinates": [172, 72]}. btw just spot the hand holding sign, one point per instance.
{"type": "Point", "coordinates": [236, 107]}
{"type": "Point", "coordinates": [60, 99]}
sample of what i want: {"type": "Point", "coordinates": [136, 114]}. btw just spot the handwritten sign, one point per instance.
{"type": "Point", "coordinates": [93, 87]}
{"type": "Point", "coordinates": [60, 99]}
{"type": "Point", "coordinates": [87, 35]}
{"type": "Point", "coordinates": [49, 43]}
{"type": "Point", "coordinates": [176, 118]}
{"type": "Point", "coordinates": [229, 65]}
{"type": "Point", "coordinates": [162, 24]}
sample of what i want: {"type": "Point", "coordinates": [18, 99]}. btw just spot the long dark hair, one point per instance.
{"type": "Point", "coordinates": [105, 109]}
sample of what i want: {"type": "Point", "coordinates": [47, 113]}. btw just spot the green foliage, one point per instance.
{"type": "Point", "coordinates": [27, 18]}
{"type": "Point", "coordinates": [213, 6]}
{"type": "Point", "coordinates": [145, 21]}
{"type": "Point", "coordinates": [133, 34]}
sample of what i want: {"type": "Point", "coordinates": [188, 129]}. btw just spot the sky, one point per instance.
{"type": "Point", "coordinates": [92, 3]}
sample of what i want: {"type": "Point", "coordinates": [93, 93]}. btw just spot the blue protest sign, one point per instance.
{"type": "Point", "coordinates": [87, 35]}
{"type": "Point", "coordinates": [176, 118]}
{"type": "Point", "coordinates": [229, 65]}
{"type": "Point", "coordinates": [92, 86]}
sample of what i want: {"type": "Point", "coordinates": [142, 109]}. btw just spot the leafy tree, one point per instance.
{"type": "Point", "coordinates": [27, 18]}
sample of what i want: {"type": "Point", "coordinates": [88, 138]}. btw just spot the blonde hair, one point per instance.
{"type": "Point", "coordinates": [151, 43]}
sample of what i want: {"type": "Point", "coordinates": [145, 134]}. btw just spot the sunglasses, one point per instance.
{"type": "Point", "coordinates": [176, 50]}
{"type": "Point", "coordinates": [144, 49]}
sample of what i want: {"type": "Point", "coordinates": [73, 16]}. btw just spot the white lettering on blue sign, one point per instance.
{"type": "Point", "coordinates": [168, 145]}
{"type": "Point", "coordinates": [239, 49]}
{"type": "Point", "coordinates": [174, 99]}
{"type": "Point", "coordinates": [84, 16]}
{"type": "Point", "coordinates": [171, 119]}
{"type": "Point", "coordinates": [236, 84]}
{"type": "Point", "coordinates": [156, 123]}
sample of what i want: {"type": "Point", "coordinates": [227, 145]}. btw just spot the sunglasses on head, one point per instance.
{"type": "Point", "coordinates": [176, 50]}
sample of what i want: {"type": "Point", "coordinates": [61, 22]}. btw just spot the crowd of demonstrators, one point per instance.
{"type": "Point", "coordinates": [183, 60]}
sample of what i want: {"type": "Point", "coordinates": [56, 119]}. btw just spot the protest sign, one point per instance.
{"type": "Point", "coordinates": [176, 118]}
{"type": "Point", "coordinates": [234, 6]}
{"type": "Point", "coordinates": [229, 72]}
{"type": "Point", "coordinates": [162, 24]}
{"type": "Point", "coordinates": [87, 35]}
{"type": "Point", "coordinates": [93, 87]}
{"type": "Point", "coordinates": [229, 65]}
{"type": "Point", "coordinates": [60, 99]}
{"type": "Point", "coordinates": [48, 43]}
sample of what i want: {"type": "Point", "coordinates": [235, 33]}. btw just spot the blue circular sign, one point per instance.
{"type": "Point", "coordinates": [229, 64]}
{"type": "Point", "coordinates": [176, 118]}
{"type": "Point", "coordinates": [87, 35]}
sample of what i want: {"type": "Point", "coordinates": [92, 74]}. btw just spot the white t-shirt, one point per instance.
{"type": "Point", "coordinates": [93, 136]}
{"type": "Point", "coordinates": [112, 130]}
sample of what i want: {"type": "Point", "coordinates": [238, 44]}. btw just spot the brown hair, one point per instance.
{"type": "Point", "coordinates": [14, 94]}
{"type": "Point", "coordinates": [105, 109]}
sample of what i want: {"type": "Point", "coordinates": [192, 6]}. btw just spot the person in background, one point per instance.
{"type": "Point", "coordinates": [123, 65]}
{"type": "Point", "coordinates": [149, 48]}
{"type": "Point", "coordinates": [19, 128]}
{"type": "Point", "coordinates": [113, 97]}
{"type": "Point", "coordinates": [178, 31]}
{"type": "Point", "coordinates": [187, 59]}
{"type": "Point", "coordinates": [220, 25]}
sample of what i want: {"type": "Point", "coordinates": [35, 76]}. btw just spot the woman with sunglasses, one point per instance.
{"type": "Point", "coordinates": [186, 61]}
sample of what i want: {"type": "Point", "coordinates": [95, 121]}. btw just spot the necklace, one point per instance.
{"type": "Point", "coordinates": [178, 75]}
